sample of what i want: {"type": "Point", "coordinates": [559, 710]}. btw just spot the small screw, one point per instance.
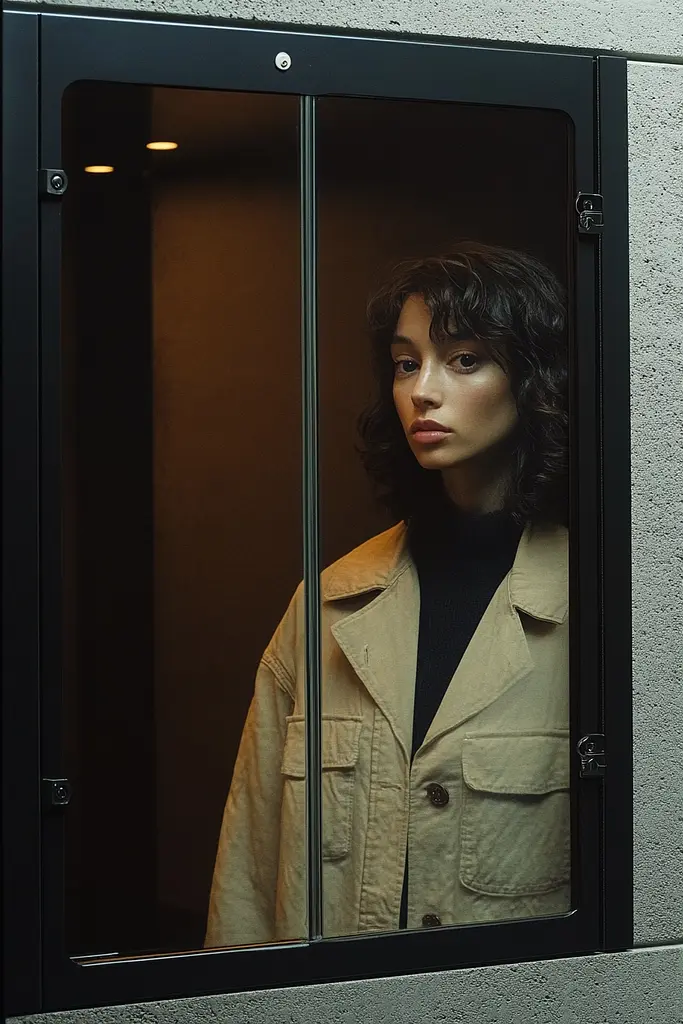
{"type": "Point", "coordinates": [57, 182]}
{"type": "Point", "coordinates": [283, 61]}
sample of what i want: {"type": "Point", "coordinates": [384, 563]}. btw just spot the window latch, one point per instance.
{"type": "Point", "coordinates": [52, 182]}
{"type": "Point", "coordinates": [591, 751]}
{"type": "Point", "coordinates": [589, 209]}
{"type": "Point", "coordinates": [56, 793]}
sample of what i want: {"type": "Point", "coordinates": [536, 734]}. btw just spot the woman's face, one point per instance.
{"type": "Point", "coordinates": [454, 402]}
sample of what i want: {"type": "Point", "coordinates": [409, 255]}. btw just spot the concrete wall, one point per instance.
{"type": "Point", "coordinates": [638, 27]}
{"type": "Point", "coordinates": [656, 227]}
{"type": "Point", "coordinates": [645, 984]}
{"type": "Point", "coordinates": [642, 987]}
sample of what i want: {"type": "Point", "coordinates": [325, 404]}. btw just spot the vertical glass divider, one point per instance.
{"type": "Point", "coordinates": [311, 509]}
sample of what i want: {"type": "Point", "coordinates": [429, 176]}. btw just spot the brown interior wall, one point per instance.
{"type": "Point", "coordinates": [227, 508]}
{"type": "Point", "coordinates": [226, 486]}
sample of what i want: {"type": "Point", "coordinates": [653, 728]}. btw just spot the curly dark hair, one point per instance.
{"type": "Point", "coordinates": [515, 306]}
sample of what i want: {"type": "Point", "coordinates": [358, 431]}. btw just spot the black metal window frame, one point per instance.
{"type": "Point", "coordinates": [44, 54]}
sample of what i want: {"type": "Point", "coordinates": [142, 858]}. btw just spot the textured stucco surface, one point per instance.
{"type": "Point", "coordinates": [642, 27]}
{"type": "Point", "coordinates": [656, 228]}
{"type": "Point", "coordinates": [641, 987]}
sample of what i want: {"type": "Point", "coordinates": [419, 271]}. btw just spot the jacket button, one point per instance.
{"type": "Point", "coordinates": [431, 920]}
{"type": "Point", "coordinates": [437, 794]}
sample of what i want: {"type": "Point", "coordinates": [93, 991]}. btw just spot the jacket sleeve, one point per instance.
{"type": "Point", "coordinates": [243, 892]}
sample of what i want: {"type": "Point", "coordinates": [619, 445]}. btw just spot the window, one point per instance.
{"type": "Point", "coordinates": [326, 522]}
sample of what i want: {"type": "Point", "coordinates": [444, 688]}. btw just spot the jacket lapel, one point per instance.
{"type": "Point", "coordinates": [498, 655]}
{"type": "Point", "coordinates": [380, 642]}
{"type": "Point", "coordinates": [379, 639]}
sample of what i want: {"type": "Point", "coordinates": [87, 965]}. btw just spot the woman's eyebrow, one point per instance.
{"type": "Point", "coordinates": [402, 339]}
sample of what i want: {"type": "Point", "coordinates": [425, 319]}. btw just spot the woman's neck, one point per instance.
{"type": "Point", "coordinates": [477, 487]}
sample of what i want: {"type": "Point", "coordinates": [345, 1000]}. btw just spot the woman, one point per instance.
{"type": "Point", "coordinates": [444, 639]}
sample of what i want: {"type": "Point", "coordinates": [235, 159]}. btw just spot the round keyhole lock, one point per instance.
{"type": "Point", "coordinates": [283, 61]}
{"type": "Point", "coordinates": [57, 182]}
{"type": "Point", "coordinates": [59, 792]}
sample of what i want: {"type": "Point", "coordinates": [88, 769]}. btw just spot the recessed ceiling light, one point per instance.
{"type": "Point", "coordinates": [99, 169]}
{"type": "Point", "coordinates": [162, 145]}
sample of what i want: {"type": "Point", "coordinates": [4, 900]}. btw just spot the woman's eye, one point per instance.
{"type": "Point", "coordinates": [404, 366]}
{"type": "Point", "coordinates": [466, 361]}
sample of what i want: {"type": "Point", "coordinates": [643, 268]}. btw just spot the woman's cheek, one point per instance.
{"type": "Point", "coordinates": [488, 399]}
{"type": "Point", "coordinates": [402, 404]}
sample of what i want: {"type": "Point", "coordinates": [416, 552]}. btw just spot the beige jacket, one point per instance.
{"type": "Point", "coordinates": [498, 745]}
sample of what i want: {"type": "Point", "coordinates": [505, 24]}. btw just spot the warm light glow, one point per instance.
{"type": "Point", "coordinates": [99, 169]}
{"type": "Point", "coordinates": [162, 145]}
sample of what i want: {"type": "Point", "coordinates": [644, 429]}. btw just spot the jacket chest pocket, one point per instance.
{"type": "Point", "coordinates": [340, 746]}
{"type": "Point", "coordinates": [515, 830]}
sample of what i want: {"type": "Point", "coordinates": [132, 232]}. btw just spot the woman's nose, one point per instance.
{"type": "Point", "coordinates": [426, 393]}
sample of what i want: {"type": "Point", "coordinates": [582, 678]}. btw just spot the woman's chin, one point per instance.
{"type": "Point", "coordinates": [436, 460]}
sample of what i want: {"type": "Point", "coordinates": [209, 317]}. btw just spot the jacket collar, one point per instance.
{"type": "Point", "coordinates": [537, 584]}
{"type": "Point", "coordinates": [373, 565]}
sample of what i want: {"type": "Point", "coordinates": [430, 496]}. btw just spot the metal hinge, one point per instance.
{"type": "Point", "coordinates": [56, 793]}
{"type": "Point", "coordinates": [52, 181]}
{"type": "Point", "coordinates": [591, 751]}
{"type": "Point", "coordinates": [589, 209]}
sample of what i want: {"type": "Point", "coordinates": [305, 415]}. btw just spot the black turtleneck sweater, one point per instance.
{"type": "Point", "coordinates": [461, 559]}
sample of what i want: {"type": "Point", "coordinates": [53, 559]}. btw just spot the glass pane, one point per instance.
{"type": "Point", "coordinates": [444, 607]}
{"type": "Point", "coordinates": [182, 491]}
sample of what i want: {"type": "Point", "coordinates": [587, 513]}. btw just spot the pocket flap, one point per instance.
{"type": "Point", "coordinates": [340, 744]}
{"type": "Point", "coordinates": [517, 763]}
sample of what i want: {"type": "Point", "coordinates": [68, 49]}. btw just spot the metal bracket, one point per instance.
{"type": "Point", "coordinates": [56, 793]}
{"type": "Point", "coordinates": [589, 209]}
{"type": "Point", "coordinates": [52, 181]}
{"type": "Point", "coordinates": [591, 751]}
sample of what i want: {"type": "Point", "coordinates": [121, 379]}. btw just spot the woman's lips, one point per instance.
{"type": "Point", "coordinates": [428, 432]}
{"type": "Point", "coordinates": [429, 436]}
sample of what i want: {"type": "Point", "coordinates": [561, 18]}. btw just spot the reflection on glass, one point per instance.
{"type": "Point", "coordinates": [181, 457]}
{"type": "Point", "coordinates": [445, 635]}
